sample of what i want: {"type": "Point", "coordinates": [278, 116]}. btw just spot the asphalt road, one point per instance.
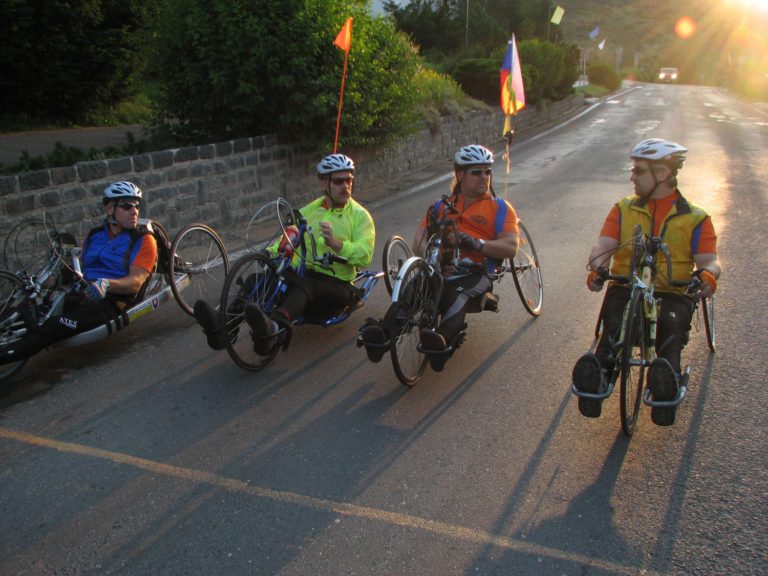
{"type": "Point", "coordinates": [148, 453]}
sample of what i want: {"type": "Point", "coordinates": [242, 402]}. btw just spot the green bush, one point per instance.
{"type": "Point", "coordinates": [271, 67]}
{"type": "Point", "coordinates": [602, 74]}
{"type": "Point", "coordinates": [549, 71]}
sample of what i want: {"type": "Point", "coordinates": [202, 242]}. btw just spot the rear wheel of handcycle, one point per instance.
{"type": "Point", "coordinates": [252, 280]}
{"type": "Point", "coordinates": [396, 252]}
{"type": "Point", "coordinates": [415, 308]}
{"type": "Point", "coordinates": [198, 264]}
{"type": "Point", "coordinates": [633, 359]}
{"type": "Point", "coordinates": [708, 310]}
{"type": "Point", "coordinates": [12, 298]}
{"type": "Point", "coordinates": [527, 271]}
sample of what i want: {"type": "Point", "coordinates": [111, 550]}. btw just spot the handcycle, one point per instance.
{"type": "Point", "coordinates": [42, 268]}
{"type": "Point", "coordinates": [279, 238]}
{"type": "Point", "coordinates": [416, 284]}
{"type": "Point", "coordinates": [635, 348]}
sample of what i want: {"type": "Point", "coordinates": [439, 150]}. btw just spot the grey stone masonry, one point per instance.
{"type": "Point", "coordinates": [223, 184]}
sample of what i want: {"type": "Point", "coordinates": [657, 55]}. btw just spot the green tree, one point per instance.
{"type": "Point", "coordinates": [231, 68]}
{"type": "Point", "coordinates": [61, 59]}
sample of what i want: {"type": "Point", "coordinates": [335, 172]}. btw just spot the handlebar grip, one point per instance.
{"type": "Point", "coordinates": [602, 276]}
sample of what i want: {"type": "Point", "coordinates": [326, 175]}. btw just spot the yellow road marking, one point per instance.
{"type": "Point", "coordinates": [405, 520]}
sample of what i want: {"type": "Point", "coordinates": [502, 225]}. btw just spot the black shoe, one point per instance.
{"type": "Point", "coordinates": [434, 346]}
{"type": "Point", "coordinates": [662, 382]}
{"type": "Point", "coordinates": [209, 320]}
{"type": "Point", "coordinates": [375, 341]}
{"type": "Point", "coordinates": [588, 377]}
{"type": "Point", "coordinates": [262, 330]}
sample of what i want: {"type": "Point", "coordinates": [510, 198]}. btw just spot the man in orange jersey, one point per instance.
{"type": "Point", "coordinates": [661, 211]}
{"type": "Point", "coordinates": [486, 231]}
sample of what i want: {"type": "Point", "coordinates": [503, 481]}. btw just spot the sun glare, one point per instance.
{"type": "Point", "coordinates": [761, 5]}
{"type": "Point", "coordinates": [685, 27]}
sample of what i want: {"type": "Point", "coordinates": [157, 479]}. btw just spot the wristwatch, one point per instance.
{"type": "Point", "coordinates": [482, 244]}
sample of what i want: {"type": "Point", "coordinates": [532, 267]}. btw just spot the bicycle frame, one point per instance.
{"type": "Point", "coordinates": [641, 282]}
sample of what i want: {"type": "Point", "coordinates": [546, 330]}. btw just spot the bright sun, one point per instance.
{"type": "Point", "coordinates": [751, 4]}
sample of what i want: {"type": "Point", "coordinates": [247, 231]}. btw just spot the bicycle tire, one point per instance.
{"type": "Point", "coordinates": [708, 311]}
{"type": "Point", "coordinates": [251, 281]}
{"type": "Point", "coordinates": [527, 273]}
{"type": "Point", "coordinates": [633, 358]}
{"type": "Point", "coordinates": [12, 297]}
{"type": "Point", "coordinates": [199, 265]}
{"type": "Point", "coordinates": [396, 252]}
{"type": "Point", "coordinates": [415, 309]}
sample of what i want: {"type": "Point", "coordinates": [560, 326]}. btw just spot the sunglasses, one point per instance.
{"type": "Point", "coordinates": [127, 206]}
{"type": "Point", "coordinates": [638, 171]}
{"type": "Point", "coordinates": [480, 171]}
{"type": "Point", "coordinates": [342, 181]}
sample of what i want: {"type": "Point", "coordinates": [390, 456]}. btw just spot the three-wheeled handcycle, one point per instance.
{"type": "Point", "coordinates": [42, 268]}
{"type": "Point", "coordinates": [634, 348]}
{"type": "Point", "coordinates": [278, 239]}
{"type": "Point", "coordinates": [416, 284]}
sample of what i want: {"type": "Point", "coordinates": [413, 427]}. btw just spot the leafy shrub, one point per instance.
{"type": "Point", "coordinates": [602, 74]}
{"type": "Point", "coordinates": [271, 67]}
{"type": "Point", "coordinates": [549, 71]}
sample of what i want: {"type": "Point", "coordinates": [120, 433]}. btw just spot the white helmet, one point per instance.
{"type": "Point", "coordinates": [335, 163]}
{"type": "Point", "coordinates": [472, 155]}
{"type": "Point", "coordinates": [656, 150]}
{"type": "Point", "coordinates": [120, 190]}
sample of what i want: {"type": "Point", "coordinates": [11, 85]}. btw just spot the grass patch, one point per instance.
{"type": "Point", "coordinates": [592, 90]}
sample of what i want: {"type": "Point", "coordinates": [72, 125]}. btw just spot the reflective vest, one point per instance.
{"type": "Point", "coordinates": [678, 231]}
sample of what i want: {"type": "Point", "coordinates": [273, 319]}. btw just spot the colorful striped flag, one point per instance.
{"type": "Point", "coordinates": [511, 81]}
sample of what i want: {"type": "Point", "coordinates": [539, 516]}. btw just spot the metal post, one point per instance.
{"type": "Point", "coordinates": [466, 28]}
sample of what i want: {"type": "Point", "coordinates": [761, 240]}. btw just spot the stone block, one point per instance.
{"type": "Point", "coordinates": [120, 165]}
{"type": "Point", "coordinates": [94, 170]}
{"type": "Point", "coordinates": [162, 159]}
{"type": "Point", "coordinates": [20, 204]}
{"type": "Point", "coordinates": [50, 198]}
{"type": "Point", "coordinates": [34, 180]}
{"type": "Point", "coordinates": [8, 185]}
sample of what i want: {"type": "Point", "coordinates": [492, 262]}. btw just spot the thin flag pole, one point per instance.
{"type": "Point", "coordinates": [343, 41]}
{"type": "Point", "coordinates": [341, 102]}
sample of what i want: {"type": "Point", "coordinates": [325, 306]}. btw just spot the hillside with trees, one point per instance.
{"type": "Point", "coordinates": [218, 69]}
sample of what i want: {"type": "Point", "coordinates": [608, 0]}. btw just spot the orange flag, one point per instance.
{"type": "Point", "coordinates": [344, 37]}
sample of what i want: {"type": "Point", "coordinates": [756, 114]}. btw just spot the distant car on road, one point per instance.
{"type": "Point", "coordinates": [668, 75]}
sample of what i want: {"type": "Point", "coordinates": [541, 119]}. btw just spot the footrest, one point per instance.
{"type": "Point", "coordinates": [592, 395]}
{"type": "Point", "coordinates": [682, 389]}
{"type": "Point", "coordinates": [360, 342]}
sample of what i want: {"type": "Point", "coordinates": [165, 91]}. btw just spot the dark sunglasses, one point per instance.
{"type": "Point", "coordinates": [341, 181]}
{"type": "Point", "coordinates": [638, 171]}
{"type": "Point", "coordinates": [127, 206]}
{"type": "Point", "coordinates": [480, 171]}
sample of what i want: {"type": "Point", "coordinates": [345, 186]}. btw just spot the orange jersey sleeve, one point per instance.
{"type": "Point", "coordinates": [147, 254]}
{"type": "Point", "coordinates": [612, 225]}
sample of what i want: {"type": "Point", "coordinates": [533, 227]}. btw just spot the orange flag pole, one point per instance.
{"type": "Point", "coordinates": [343, 41]}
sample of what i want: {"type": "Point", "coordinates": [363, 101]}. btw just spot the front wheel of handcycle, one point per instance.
{"type": "Point", "coordinates": [527, 275]}
{"type": "Point", "coordinates": [396, 252]}
{"type": "Point", "coordinates": [12, 298]}
{"type": "Point", "coordinates": [633, 359]}
{"type": "Point", "coordinates": [198, 264]}
{"type": "Point", "coordinates": [415, 307]}
{"type": "Point", "coordinates": [252, 280]}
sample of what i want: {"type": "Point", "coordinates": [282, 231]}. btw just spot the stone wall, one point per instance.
{"type": "Point", "coordinates": [223, 184]}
